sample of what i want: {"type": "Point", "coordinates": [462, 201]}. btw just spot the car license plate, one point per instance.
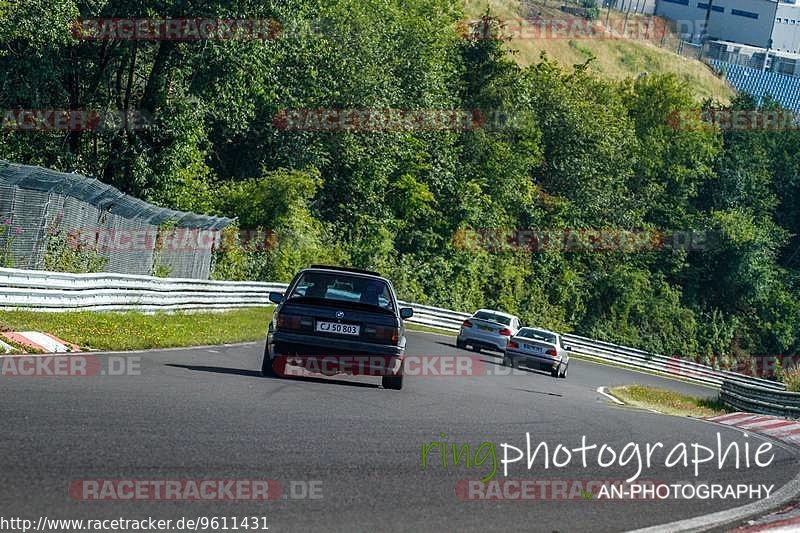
{"type": "Point", "coordinates": [533, 348]}
{"type": "Point", "coordinates": [485, 328]}
{"type": "Point", "coordinates": [336, 327]}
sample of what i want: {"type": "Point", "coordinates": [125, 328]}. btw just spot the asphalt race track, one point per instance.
{"type": "Point", "coordinates": [205, 413]}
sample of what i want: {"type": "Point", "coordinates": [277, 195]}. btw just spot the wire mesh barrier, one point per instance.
{"type": "Point", "coordinates": [42, 210]}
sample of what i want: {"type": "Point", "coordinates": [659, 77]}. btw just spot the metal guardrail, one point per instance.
{"type": "Point", "coordinates": [436, 317]}
{"type": "Point", "coordinates": [755, 399]}
{"type": "Point", "coordinates": [51, 291]}
{"type": "Point", "coordinates": [680, 368]}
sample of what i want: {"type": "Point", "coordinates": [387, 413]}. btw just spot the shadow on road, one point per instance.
{"type": "Point", "coordinates": [540, 392]}
{"type": "Point", "coordinates": [257, 374]}
{"type": "Point", "coordinates": [523, 368]}
{"type": "Point", "coordinates": [483, 352]}
{"type": "Point", "coordinates": [219, 370]}
{"type": "Point", "coordinates": [450, 345]}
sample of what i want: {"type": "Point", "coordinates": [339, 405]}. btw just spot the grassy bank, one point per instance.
{"type": "Point", "coordinates": [138, 331]}
{"type": "Point", "coordinates": [410, 326]}
{"type": "Point", "coordinates": [614, 58]}
{"type": "Point", "coordinates": [668, 402]}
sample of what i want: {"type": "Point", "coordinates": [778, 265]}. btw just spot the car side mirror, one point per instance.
{"type": "Point", "coordinates": [568, 348]}
{"type": "Point", "coordinates": [275, 297]}
{"type": "Point", "coordinates": [406, 312]}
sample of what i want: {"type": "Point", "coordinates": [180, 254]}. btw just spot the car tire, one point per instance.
{"type": "Point", "coordinates": [392, 382]}
{"type": "Point", "coordinates": [461, 345]}
{"type": "Point", "coordinates": [266, 368]}
{"type": "Point", "coordinates": [270, 368]}
{"type": "Point", "coordinates": [563, 374]}
{"type": "Point", "coordinates": [507, 361]}
{"type": "Point", "coordinates": [556, 372]}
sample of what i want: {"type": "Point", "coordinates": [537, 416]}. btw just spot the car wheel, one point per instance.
{"type": "Point", "coordinates": [272, 368]}
{"type": "Point", "coordinates": [392, 382]}
{"type": "Point", "coordinates": [266, 367]}
{"type": "Point", "coordinates": [461, 345]}
{"type": "Point", "coordinates": [555, 372]}
{"type": "Point", "coordinates": [266, 363]}
{"type": "Point", "coordinates": [564, 371]}
{"type": "Point", "coordinates": [507, 361]}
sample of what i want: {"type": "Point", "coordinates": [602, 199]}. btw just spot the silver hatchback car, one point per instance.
{"type": "Point", "coordinates": [538, 348]}
{"type": "Point", "coordinates": [488, 330]}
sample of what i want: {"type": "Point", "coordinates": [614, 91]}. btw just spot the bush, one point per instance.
{"type": "Point", "coordinates": [67, 254]}
{"type": "Point", "coordinates": [791, 377]}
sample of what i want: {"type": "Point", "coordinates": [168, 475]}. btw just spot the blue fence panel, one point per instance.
{"type": "Point", "coordinates": [783, 89]}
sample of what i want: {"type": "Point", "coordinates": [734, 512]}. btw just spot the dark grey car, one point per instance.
{"type": "Point", "coordinates": [338, 320]}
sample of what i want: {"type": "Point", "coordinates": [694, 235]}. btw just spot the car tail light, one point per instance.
{"type": "Point", "coordinates": [512, 344]}
{"type": "Point", "coordinates": [383, 333]}
{"type": "Point", "coordinates": [466, 324]}
{"type": "Point", "coordinates": [294, 322]}
{"type": "Point", "coordinates": [392, 334]}
{"type": "Point", "coordinates": [505, 332]}
{"type": "Point", "coordinates": [552, 352]}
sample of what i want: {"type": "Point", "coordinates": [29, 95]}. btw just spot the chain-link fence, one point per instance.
{"type": "Point", "coordinates": [50, 218]}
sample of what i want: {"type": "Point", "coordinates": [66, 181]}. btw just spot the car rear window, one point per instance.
{"type": "Point", "coordinates": [537, 335]}
{"type": "Point", "coordinates": [344, 287]}
{"type": "Point", "coordinates": [500, 319]}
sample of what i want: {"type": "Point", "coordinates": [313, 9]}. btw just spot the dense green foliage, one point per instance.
{"type": "Point", "coordinates": [582, 153]}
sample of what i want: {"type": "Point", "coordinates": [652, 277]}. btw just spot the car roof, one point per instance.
{"type": "Point", "coordinates": [501, 313]}
{"type": "Point", "coordinates": [344, 270]}
{"type": "Point", "coordinates": [539, 329]}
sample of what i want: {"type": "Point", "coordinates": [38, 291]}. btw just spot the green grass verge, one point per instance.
{"type": "Point", "coordinates": [139, 331]}
{"type": "Point", "coordinates": [668, 402]}
{"type": "Point", "coordinates": [420, 327]}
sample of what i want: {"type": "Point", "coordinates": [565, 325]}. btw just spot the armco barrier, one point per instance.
{"type": "Point", "coordinates": [639, 359]}
{"type": "Point", "coordinates": [755, 399]}
{"type": "Point", "coordinates": [51, 291]}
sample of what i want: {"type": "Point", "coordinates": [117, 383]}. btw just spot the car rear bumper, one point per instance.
{"type": "Point", "coordinates": [332, 355]}
{"type": "Point", "coordinates": [487, 343]}
{"type": "Point", "coordinates": [540, 361]}
{"type": "Point", "coordinates": [284, 343]}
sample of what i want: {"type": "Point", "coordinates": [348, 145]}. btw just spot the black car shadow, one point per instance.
{"type": "Point", "coordinates": [523, 368]}
{"type": "Point", "coordinates": [257, 374]}
{"type": "Point", "coordinates": [218, 370]}
{"type": "Point", "coordinates": [540, 392]}
{"type": "Point", "coordinates": [483, 351]}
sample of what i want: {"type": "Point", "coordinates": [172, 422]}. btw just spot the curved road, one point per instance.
{"type": "Point", "coordinates": [205, 413]}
